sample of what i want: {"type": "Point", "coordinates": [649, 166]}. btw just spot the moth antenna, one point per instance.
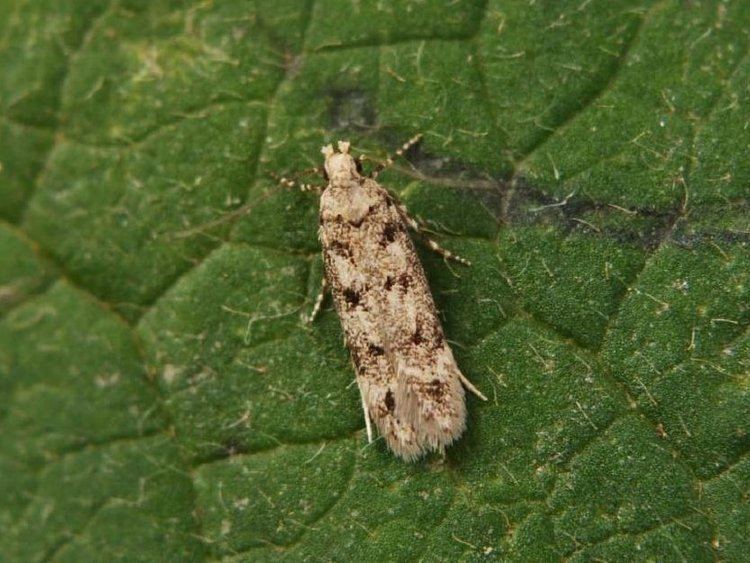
{"type": "Point", "coordinates": [390, 158]}
{"type": "Point", "coordinates": [292, 183]}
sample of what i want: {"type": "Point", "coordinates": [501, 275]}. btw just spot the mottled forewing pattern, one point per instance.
{"type": "Point", "coordinates": [410, 383]}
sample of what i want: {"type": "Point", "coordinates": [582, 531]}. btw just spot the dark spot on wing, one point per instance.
{"type": "Point", "coordinates": [340, 248]}
{"type": "Point", "coordinates": [389, 233]}
{"type": "Point", "coordinates": [437, 340]}
{"type": "Point", "coordinates": [357, 223]}
{"type": "Point", "coordinates": [417, 337]}
{"type": "Point", "coordinates": [390, 402]}
{"type": "Point", "coordinates": [404, 280]}
{"type": "Point", "coordinates": [375, 350]}
{"type": "Point", "coordinates": [435, 389]}
{"type": "Point", "coordinates": [388, 283]}
{"type": "Point", "coordinates": [352, 297]}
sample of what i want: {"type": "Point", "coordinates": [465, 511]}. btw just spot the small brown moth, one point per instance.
{"type": "Point", "coordinates": [410, 384]}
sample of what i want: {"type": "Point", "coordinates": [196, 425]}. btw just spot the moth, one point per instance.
{"type": "Point", "coordinates": [410, 385]}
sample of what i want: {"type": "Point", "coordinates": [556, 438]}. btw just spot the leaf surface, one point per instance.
{"type": "Point", "coordinates": [160, 398]}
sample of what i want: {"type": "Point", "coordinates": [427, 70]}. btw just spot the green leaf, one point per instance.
{"type": "Point", "coordinates": [161, 398]}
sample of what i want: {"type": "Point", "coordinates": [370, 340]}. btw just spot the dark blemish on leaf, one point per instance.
{"type": "Point", "coordinates": [349, 109]}
{"type": "Point", "coordinates": [641, 226]}
{"type": "Point", "coordinates": [521, 202]}
{"type": "Point", "coordinates": [458, 175]}
{"type": "Point", "coordinates": [390, 402]}
{"type": "Point", "coordinates": [352, 297]}
{"type": "Point", "coordinates": [693, 239]}
{"type": "Point", "coordinates": [233, 446]}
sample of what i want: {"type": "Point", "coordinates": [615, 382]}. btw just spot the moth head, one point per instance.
{"type": "Point", "coordinates": [339, 165]}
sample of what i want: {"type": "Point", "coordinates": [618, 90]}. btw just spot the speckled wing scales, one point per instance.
{"type": "Point", "coordinates": [410, 383]}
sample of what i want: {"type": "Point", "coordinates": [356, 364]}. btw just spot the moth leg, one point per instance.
{"type": "Point", "coordinates": [471, 387]}
{"type": "Point", "coordinates": [421, 230]}
{"type": "Point", "coordinates": [445, 253]}
{"type": "Point", "coordinates": [368, 422]}
{"type": "Point", "coordinates": [318, 301]}
{"type": "Point", "coordinates": [292, 183]}
{"type": "Point", "coordinates": [389, 159]}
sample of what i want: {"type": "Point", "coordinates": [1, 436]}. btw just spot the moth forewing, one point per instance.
{"type": "Point", "coordinates": [410, 384]}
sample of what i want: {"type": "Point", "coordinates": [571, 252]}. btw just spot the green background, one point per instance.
{"type": "Point", "coordinates": [160, 398]}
